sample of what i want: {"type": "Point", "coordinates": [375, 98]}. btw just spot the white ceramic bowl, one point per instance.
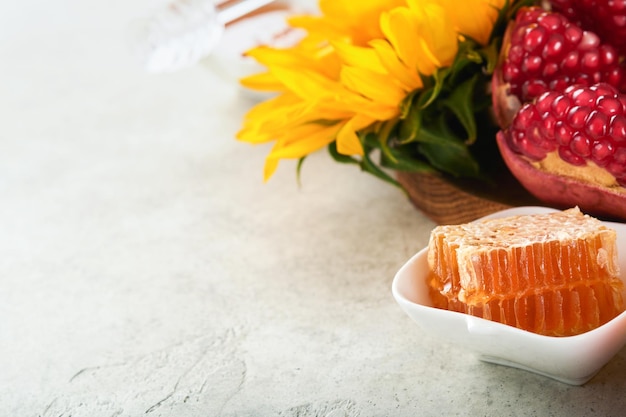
{"type": "Point", "coordinates": [573, 359]}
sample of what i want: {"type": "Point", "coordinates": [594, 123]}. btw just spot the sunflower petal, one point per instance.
{"type": "Point", "coordinates": [348, 142]}
{"type": "Point", "coordinates": [359, 19]}
{"type": "Point", "coordinates": [407, 79]}
{"type": "Point", "coordinates": [377, 87]}
{"type": "Point", "coordinates": [264, 81]}
{"type": "Point", "coordinates": [264, 120]}
{"type": "Point", "coordinates": [270, 167]}
{"type": "Point", "coordinates": [401, 29]}
{"type": "Point", "coordinates": [438, 38]}
{"type": "Point", "coordinates": [318, 27]}
{"type": "Point", "coordinates": [360, 57]}
{"type": "Point", "coordinates": [303, 141]}
{"type": "Point", "coordinates": [306, 84]}
{"type": "Point", "coordinates": [474, 18]}
{"type": "Point", "coordinates": [268, 56]}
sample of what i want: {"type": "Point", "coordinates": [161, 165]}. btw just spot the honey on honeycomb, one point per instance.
{"type": "Point", "coordinates": [554, 274]}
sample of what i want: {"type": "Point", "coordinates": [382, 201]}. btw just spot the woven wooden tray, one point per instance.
{"type": "Point", "coordinates": [451, 201]}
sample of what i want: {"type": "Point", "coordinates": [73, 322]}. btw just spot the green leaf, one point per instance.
{"type": "Point", "coordinates": [491, 55]}
{"type": "Point", "coordinates": [450, 158]}
{"type": "Point", "coordinates": [369, 166]}
{"type": "Point", "coordinates": [437, 133]}
{"type": "Point", "coordinates": [405, 161]}
{"type": "Point", "coordinates": [299, 170]}
{"type": "Point", "coordinates": [344, 159]}
{"type": "Point", "coordinates": [383, 135]}
{"type": "Point", "coordinates": [467, 56]}
{"type": "Point", "coordinates": [445, 151]}
{"type": "Point", "coordinates": [461, 103]}
{"type": "Point", "coordinates": [428, 96]}
{"type": "Point", "coordinates": [410, 126]}
{"type": "Point", "coordinates": [407, 104]}
{"type": "Point", "coordinates": [369, 141]}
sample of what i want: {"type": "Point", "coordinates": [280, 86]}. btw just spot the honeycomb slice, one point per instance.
{"type": "Point", "coordinates": [554, 274]}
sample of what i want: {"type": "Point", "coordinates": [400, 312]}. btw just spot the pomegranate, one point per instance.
{"type": "Point", "coordinates": [556, 97]}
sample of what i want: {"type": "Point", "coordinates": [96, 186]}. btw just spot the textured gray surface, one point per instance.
{"type": "Point", "coordinates": [145, 268]}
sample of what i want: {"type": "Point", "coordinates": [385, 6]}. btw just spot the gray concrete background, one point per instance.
{"type": "Point", "coordinates": [145, 269]}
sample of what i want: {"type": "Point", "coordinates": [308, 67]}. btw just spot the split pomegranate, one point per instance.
{"type": "Point", "coordinates": [556, 97]}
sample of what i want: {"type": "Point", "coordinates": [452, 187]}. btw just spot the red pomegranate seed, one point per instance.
{"type": "Point", "coordinates": [573, 34]}
{"type": "Point", "coordinates": [577, 116]}
{"type": "Point", "coordinates": [618, 170]}
{"type": "Point", "coordinates": [617, 130]}
{"type": "Point", "coordinates": [609, 105]}
{"type": "Point", "coordinates": [603, 89]}
{"type": "Point", "coordinates": [602, 151]}
{"type": "Point", "coordinates": [568, 156]}
{"type": "Point", "coordinates": [560, 106]}
{"type": "Point", "coordinates": [571, 61]}
{"type": "Point", "coordinates": [589, 41]}
{"type": "Point", "coordinates": [547, 129]}
{"type": "Point", "coordinates": [550, 21]}
{"type": "Point", "coordinates": [545, 103]}
{"type": "Point", "coordinates": [554, 47]}
{"type": "Point", "coordinates": [563, 134]}
{"type": "Point", "coordinates": [534, 38]}
{"type": "Point", "coordinates": [619, 156]}
{"type": "Point", "coordinates": [596, 124]}
{"type": "Point", "coordinates": [532, 64]}
{"type": "Point", "coordinates": [608, 55]}
{"type": "Point", "coordinates": [583, 97]}
{"type": "Point", "coordinates": [581, 145]}
{"type": "Point", "coordinates": [591, 60]}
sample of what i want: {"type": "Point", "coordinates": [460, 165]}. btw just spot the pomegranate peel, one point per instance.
{"type": "Point", "coordinates": [562, 191]}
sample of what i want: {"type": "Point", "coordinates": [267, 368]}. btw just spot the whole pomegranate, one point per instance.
{"type": "Point", "coordinates": [557, 97]}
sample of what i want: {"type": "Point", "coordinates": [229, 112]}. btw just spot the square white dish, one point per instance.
{"type": "Point", "coordinates": [573, 360]}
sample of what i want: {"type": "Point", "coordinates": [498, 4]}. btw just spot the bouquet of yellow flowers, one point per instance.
{"type": "Point", "coordinates": [410, 85]}
{"type": "Point", "coordinates": [406, 77]}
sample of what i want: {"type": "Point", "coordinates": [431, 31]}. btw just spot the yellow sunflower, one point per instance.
{"type": "Point", "coordinates": [357, 63]}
